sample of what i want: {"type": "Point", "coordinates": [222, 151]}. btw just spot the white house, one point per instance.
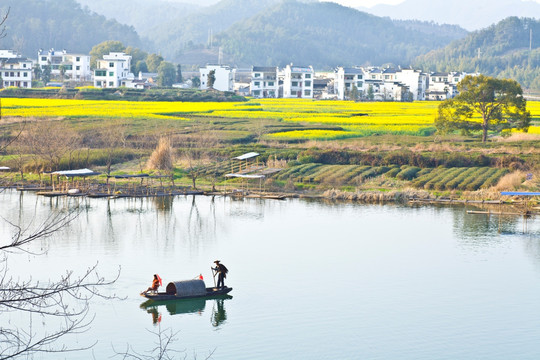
{"type": "Point", "coordinates": [15, 70]}
{"type": "Point", "coordinates": [298, 81]}
{"type": "Point", "coordinates": [113, 71]}
{"type": "Point", "coordinates": [347, 78]}
{"type": "Point", "coordinates": [76, 66]}
{"type": "Point", "coordinates": [264, 82]}
{"type": "Point", "coordinates": [416, 81]}
{"type": "Point", "coordinates": [224, 77]}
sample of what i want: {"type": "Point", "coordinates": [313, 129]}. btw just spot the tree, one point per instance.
{"type": "Point", "coordinates": [140, 67]}
{"type": "Point", "coordinates": [370, 93]}
{"type": "Point", "coordinates": [153, 61]}
{"type": "Point", "coordinates": [66, 298]}
{"type": "Point", "coordinates": [179, 78]}
{"type": "Point", "coordinates": [46, 74]}
{"type": "Point", "coordinates": [37, 71]}
{"type": "Point", "coordinates": [497, 103]}
{"type": "Point", "coordinates": [104, 48]}
{"type": "Point", "coordinates": [354, 93]}
{"type": "Point", "coordinates": [211, 79]}
{"type": "Point", "coordinates": [3, 19]}
{"type": "Point", "coordinates": [136, 56]}
{"type": "Point", "coordinates": [166, 74]}
{"type": "Point", "coordinates": [63, 70]}
{"type": "Point", "coordinates": [196, 82]}
{"type": "Point", "coordinates": [195, 152]}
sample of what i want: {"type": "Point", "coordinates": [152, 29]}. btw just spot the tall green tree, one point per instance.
{"type": "Point", "coordinates": [153, 61]}
{"type": "Point", "coordinates": [484, 103]}
{"type": "Point", "coordinates": [211, 79]}
{"type": "Point", "coordinates": [104, 48]}
{"type": "Point", "coordinates": [46, 74]}
{"type": "Point", "coordinates": [166, 74]}
{"type": "Point", "coordinates": [136, 56]}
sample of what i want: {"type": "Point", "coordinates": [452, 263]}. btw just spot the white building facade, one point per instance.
{"type": "Point", "coordinates": [113, 71]}
{"type": "Point", "coordinates": [224, 77]}
{"type": "Point", "coordinates": [264, 82]}
{"type": "Point", "coordinates": [76, 66]}
{"type": "Point", "coordinates": [298, 82]}
{"type": "Point", "coordinates": [346, 79]}
{"type": "Point", "coordinates": [15, 70]}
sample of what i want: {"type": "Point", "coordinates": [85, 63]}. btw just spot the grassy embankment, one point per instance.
{"type": "Point", "coordinates": [325, 144]}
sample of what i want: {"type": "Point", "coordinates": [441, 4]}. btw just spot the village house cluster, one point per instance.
{"type": "Point", "coordinates": [292, 81]}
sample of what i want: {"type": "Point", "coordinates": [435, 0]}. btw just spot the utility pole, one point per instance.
{"type": "Point", "coordinates": [479, 53]}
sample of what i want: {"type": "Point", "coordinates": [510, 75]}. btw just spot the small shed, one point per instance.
{"type": "Point", "coordinates": [187, 288]}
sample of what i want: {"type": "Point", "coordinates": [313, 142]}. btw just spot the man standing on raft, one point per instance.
{"type": "Point", "coordinates": [222, 271]}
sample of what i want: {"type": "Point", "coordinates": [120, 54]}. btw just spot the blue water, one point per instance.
{"type": "Point", "coordinates": [312, 280]}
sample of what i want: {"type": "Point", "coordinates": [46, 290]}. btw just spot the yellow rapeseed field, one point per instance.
{"type": "Point", "coordinates": [354, 119]}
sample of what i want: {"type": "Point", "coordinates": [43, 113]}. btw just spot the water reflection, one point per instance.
{"type": "Point", "coordinates": [188, 306]}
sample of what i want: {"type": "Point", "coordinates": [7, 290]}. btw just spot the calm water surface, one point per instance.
{"type": "Point", "coordinates": [311, 280]}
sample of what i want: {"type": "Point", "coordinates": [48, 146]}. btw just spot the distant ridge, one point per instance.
{"type": "Point", "coordinates": [471, 15]}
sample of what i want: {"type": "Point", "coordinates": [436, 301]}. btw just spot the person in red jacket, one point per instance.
{"type": "Point", "coordinates": [155, 285]}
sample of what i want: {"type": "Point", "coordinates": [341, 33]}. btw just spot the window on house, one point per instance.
{"type": "Point", "coordinates": [111, 84]}
{"type": "Point", "coordinates": [359, 84]}
{"type": "Point", "coordinates": [111, 73]}
{"type": "Point", "coordinates": [111, 64]}
{"type": "Point", "coordinates": [257, 75]}
{"type": "Point", "coordinates": [43, 58]}
{"type": "Point", "coordinates": [308, 76]}
{"type": "Point", "coordinates": [25, 74]}
{"type": "Point", "coordinates": [25, 84]}
{"type": "Point", "coordinates": [307, 92]}
{"type": "Point", "coordinates": [270, 83]}
{"type": "Point", "coordinates": [98, 83]}
{"type": "Point", "coordinates": [257, 92]}
{"type": "Point", "coordinates": [78, 58]}
{"type": "Point", "coordinates": [294, 83]}
{"type": "Point", "coordinates": [373, 76]}
{"type": "Point", "coordinates": [78, 67]}
{"type": "Point", "coordinates": [101, 73]}
{"type": "Point", "coordinates": [257, 83]}
{"type": "Point", "coordinates": [307, 83]}
{"type": "Point", "coordinates": [24, 65]}
{"type": "Point", "coordinates": [360, 77]}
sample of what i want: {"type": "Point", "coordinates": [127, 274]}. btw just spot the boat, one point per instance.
{"type": "Point", "coordinates": [187, 289]}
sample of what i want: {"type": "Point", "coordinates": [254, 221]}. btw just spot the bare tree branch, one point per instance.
{"type": "Point", "coordinates": [3, 19]}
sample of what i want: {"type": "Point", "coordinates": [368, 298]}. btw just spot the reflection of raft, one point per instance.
{"type": "Point", "coordinates": [187, 289]}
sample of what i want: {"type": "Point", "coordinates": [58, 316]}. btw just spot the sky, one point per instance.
{"type": "Point", "coordinates": [370, 3]}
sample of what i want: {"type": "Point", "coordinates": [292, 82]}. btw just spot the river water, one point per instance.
{"type": "Point", "coordinates": [311, 280]}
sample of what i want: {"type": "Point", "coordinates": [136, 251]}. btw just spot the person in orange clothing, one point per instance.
{"type": "Point", "coordinates": [155, 284]}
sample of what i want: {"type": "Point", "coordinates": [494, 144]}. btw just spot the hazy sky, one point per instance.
{"type": "Point", "coordinates": [370, 3]}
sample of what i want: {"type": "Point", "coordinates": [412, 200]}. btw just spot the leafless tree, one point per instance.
{"type": "Point", "coordinates": [64, 301]}
{"type": "Point", "coordinates": [3, 19]}
{"type": "Point", "coordinates": [162, 349]}
{"type": "Point", "coordinates": [50, 142]}
{"type": "Point", "coordinates": [195, 148]}
{"type": "Point", "coordinates": [113, 138]}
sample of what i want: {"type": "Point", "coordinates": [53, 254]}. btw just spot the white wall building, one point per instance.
{"type": "Point", "coordinates": [346, 79]}
{"type": "Point", "coordinates": [416, 80]}
{"type": "Point", "coordinates": [264, 82]}
{"type": "Point", "coordinates": [76, 66]}
{"type": "Point", "coordinates": [298, 81]}
{"type": "Point", "coordinates": [224, 77]}
{"type": "Point", "coordinates": [113, 71]}
{"type": "Point", "coordinates": [15, 70]}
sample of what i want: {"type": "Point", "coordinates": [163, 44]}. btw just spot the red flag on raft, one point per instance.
{"type": "Point", "coordinates": [159, 278]}
{"type": "Point", "coordinates": [200, 277]}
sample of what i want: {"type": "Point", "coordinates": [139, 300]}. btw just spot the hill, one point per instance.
{"type": "Point", "coordinates": [326, 35]}
{"type": "Point", "coordinates": [193, 31]}
{"type": "Point", "coordinates": [461, 12]}
{"type": "Point", "coordinates": [143, 15]}
{"type": "Point", "coordinates": [60, 24]}
{"type": "Point", "coordinates": [500, 50]}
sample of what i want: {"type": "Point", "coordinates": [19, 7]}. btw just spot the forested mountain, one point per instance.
{"type": "Point", "coordinates": [143, 15]}
{"type": "Point", "coordinates": [470, 14]}
{"type": "Point", "coordinates": [499, 50]}
{"type": "Point", "coordinates": [59, 24]}
{"type": "Point", "coordinates": [326, 35]}
{"type": "Point", "coordinates": [187, 32]}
